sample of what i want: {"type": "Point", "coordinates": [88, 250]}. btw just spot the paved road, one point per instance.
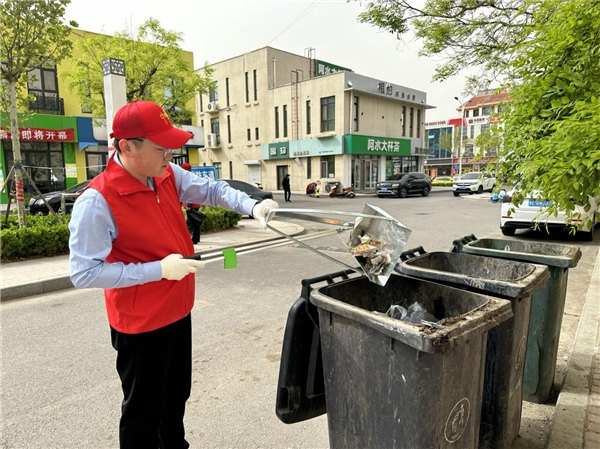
{"type": "Point", "coordinates": [60, 388]}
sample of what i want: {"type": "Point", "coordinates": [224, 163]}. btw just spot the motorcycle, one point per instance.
{"type": "Point", "coordinates": [338, 190]}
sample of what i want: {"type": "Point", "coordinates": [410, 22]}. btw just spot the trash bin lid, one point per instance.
{"type": "Point", "coordinates": [494, 276]}
{"type": "Point", "coordinates": [460, 312]}
{"type": "Point", "coordinates": [552, 254]}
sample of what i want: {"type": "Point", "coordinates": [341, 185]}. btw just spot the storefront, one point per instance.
{"type": "Point", "coordinates": [374, 159]}
{"type": "Point", "coordinates": [47, 152]}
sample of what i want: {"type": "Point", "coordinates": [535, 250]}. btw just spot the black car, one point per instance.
{"type": "Point", "coordinates": [37, 206]}
{"type": "Point", "coordinates": [404, 184]}
{"type": "Point", "coordinates": [251, 190]}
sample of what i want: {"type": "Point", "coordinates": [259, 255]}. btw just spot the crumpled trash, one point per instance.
{"type": "Point", "coordinates": [415, 313]}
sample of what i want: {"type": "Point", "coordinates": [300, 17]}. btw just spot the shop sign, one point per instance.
{"type": "Point", "coordinates": [41, 134]}
{"type": "Point", "coordinates": [378, 145]}
{"type": "Point", "coordinates": [279, 150]}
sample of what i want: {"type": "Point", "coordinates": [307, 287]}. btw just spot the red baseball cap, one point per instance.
{"type": "Point", "coordinates": [147, 119]}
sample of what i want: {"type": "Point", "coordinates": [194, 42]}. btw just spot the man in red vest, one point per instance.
{"type": "Point", "coordinates": [128, 236]}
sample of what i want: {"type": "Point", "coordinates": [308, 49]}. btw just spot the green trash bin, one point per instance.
{"type": "Point", "coordinates": [505, 355]}
{"type": "Point", "coordinates": [391, 383]}
{"type": "Point", "coordinates": [547, 305]}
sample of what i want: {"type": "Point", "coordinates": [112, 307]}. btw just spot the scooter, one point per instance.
{"type": "Point", "coordinates": [338, 190]}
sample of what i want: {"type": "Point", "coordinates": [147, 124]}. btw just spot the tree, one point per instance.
{"type": "Point", "coordinates": [33, 34]}
{"type": "Point", "coordinates": [156, 69]}
{"type": "Point", "coordinates": [545, 52]}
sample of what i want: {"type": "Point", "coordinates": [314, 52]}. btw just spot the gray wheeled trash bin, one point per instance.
{"type": "Point", "coordinates": [391, 383]}
{"type": "Point", "coordinates": [547, 305]}
{"type": "Point", "coordinates": [505, 355]}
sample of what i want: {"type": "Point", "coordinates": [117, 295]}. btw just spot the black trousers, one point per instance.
{"type": "Point", "coordinates": [287, 194]}
{"type": "Point", "coordinates": [156, 376]}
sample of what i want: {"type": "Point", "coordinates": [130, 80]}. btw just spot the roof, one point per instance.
{"type": "Point", "coordinates": [487, 99]}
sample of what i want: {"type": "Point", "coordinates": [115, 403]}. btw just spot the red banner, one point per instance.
{"type": "Point", "coordinates": [41, 134]}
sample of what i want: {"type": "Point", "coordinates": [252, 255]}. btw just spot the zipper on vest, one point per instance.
{"type": "Point", "coordinates": [157, 199]}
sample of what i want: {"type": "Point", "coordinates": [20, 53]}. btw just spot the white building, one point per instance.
{"type": "Point", "coordinates": [271, 112]}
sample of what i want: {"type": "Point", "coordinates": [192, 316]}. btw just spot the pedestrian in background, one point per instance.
{"type": "Point", "coordinates": [193, 217]}
{"type": "Point", "coordinates": [129, 237]}
{"type": "Point", "coordinates": [287, 192]}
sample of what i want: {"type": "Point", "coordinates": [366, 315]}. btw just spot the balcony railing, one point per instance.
{"type": "Point", "coordinates": [47, 105]}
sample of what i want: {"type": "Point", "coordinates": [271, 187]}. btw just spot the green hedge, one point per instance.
{"type": "Point", "coordinates": [45, 236]}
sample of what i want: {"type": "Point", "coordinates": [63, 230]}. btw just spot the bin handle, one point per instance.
{"type": "Point", "coordinates": [458, 244]}
{"type": "Point", "coordinates": [411, 253]}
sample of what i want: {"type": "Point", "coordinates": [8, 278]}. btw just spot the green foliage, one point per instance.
{"type": "Point", "coordinates": [218, 218]}
{"type": "Point", "coordinates": [551, 128]}
{"type": "Point", "coordinates": [547, 53]}
{"type": "Point", "coordinates": [43, 236]}
{"type": "Point", "coordinates": [441, 183]}
{"type": "Point", "coordinates": [156, 69]}
{"type": "Point", "coordinates": [464, 33]}
{"type": "Point", "coordinates": [33, 34]}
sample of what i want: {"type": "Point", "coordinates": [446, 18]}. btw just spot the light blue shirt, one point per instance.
{"type": "Point", "coordinates": [93, 229]}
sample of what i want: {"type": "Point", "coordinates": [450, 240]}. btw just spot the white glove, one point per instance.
{"type": "Point", "coordinates": [262, 209]}
{"type": "Point", "coordinates": [174, 267]}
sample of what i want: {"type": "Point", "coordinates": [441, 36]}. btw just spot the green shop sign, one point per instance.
{"type": "Point", "coordinates": [279, 150]}
{"type": "Point", "coordinates": [388, 146]}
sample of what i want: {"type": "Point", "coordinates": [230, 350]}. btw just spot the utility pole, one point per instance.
{"type": "Point", "coordinates": [462, 127]}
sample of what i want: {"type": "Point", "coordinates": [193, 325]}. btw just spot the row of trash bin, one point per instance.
{"type": "Point", "coordinates": [456, 379]}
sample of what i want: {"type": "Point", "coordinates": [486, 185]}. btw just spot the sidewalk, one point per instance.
{"type": "Point", "coordinates": [47, 274]}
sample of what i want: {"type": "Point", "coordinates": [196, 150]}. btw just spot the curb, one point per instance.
{"type": "Point", "coordinates": [568, 427]}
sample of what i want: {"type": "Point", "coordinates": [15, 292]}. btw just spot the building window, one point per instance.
{"type": "Point", "coordinates": [308, 168]}
{"type": "Point", "coordinates": [247, 87]}
{"type": "Point", "coordinates": [248, 134]}
{"type": "Point", "coordinates": [227, 90]}
{"type": "Point", "coordinates": [230, 169]}
{"type": "Point", "coordinates": [418, 123]}
{"type": "Point", "coordinates": [308, 122]}
{"type": "Point", "coordinates": [277, 122]}
{"type": "Point", "coordinates": [285, 125]}
{"type": "Point", "coordinates": [214, 128]}
{"type": "Point", "coordinates": [328, 114]}
{"type": "Point", "coordinates": [403, 121]}
{"type": "Point", "coordinates": [486, 110]}
{"type": "Point", "coordinates": [228, 129]}
{"type": "Point", "coordinates": [411, 123]}
{"type": "Point", "coordinates": [213, 93]}
{"type": "Point", "coordinates": [327, 166]}
{"type": "Point", "coordinates": [43, 84]}
{"type": "Point", "coordinates": [256, 133]}
{"type": "Point", "coordinates": [218, 169]}
{"type": "Point", "coordinates": [355, 114]}
{"type": "Point", "coordinates": [472, 131]}
{"type": "Point", "coordinates": [475, 112]}
{"type": "Point", "coordinates": [255, 85]}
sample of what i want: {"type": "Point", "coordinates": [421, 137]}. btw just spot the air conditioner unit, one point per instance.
{"type": "Point", "coordinates": [211, 141]}
{"type": "Point", "coordinates": [212, 106]}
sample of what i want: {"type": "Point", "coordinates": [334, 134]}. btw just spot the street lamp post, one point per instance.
{"type": "Point", "coordinates": [462, 127]}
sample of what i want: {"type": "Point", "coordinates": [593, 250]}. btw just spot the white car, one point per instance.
{"type": "Point", "coordinates": [474, 182]}
{"type": "Point", "coordinates": [531, 213]}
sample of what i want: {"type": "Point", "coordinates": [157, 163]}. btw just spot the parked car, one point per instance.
{"type": "Point", "coordinates": [531, 213]}
{"type": "Point", "coordinates": [37, 206]}
{"type": "Point", "coordinates": [251, 190]}
{"type": "Point", "coordinates": [442, 181]}
{"type": "Point", "coordinates": [474, 182]}
{"type": "Point", "coordinates": [405, 184]}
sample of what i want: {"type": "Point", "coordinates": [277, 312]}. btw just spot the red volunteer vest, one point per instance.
{"type": "Point", "coordinates": [150, 226]}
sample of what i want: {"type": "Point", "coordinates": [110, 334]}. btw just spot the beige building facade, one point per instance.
{"type": "Point", "coordinates": [272, 113]}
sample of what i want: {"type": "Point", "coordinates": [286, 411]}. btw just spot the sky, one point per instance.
{"type": "Point", "coordinates": [215, 30]}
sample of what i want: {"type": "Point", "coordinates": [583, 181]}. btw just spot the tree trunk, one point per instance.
{"type": "Point", "coordinates": [16, 145]}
